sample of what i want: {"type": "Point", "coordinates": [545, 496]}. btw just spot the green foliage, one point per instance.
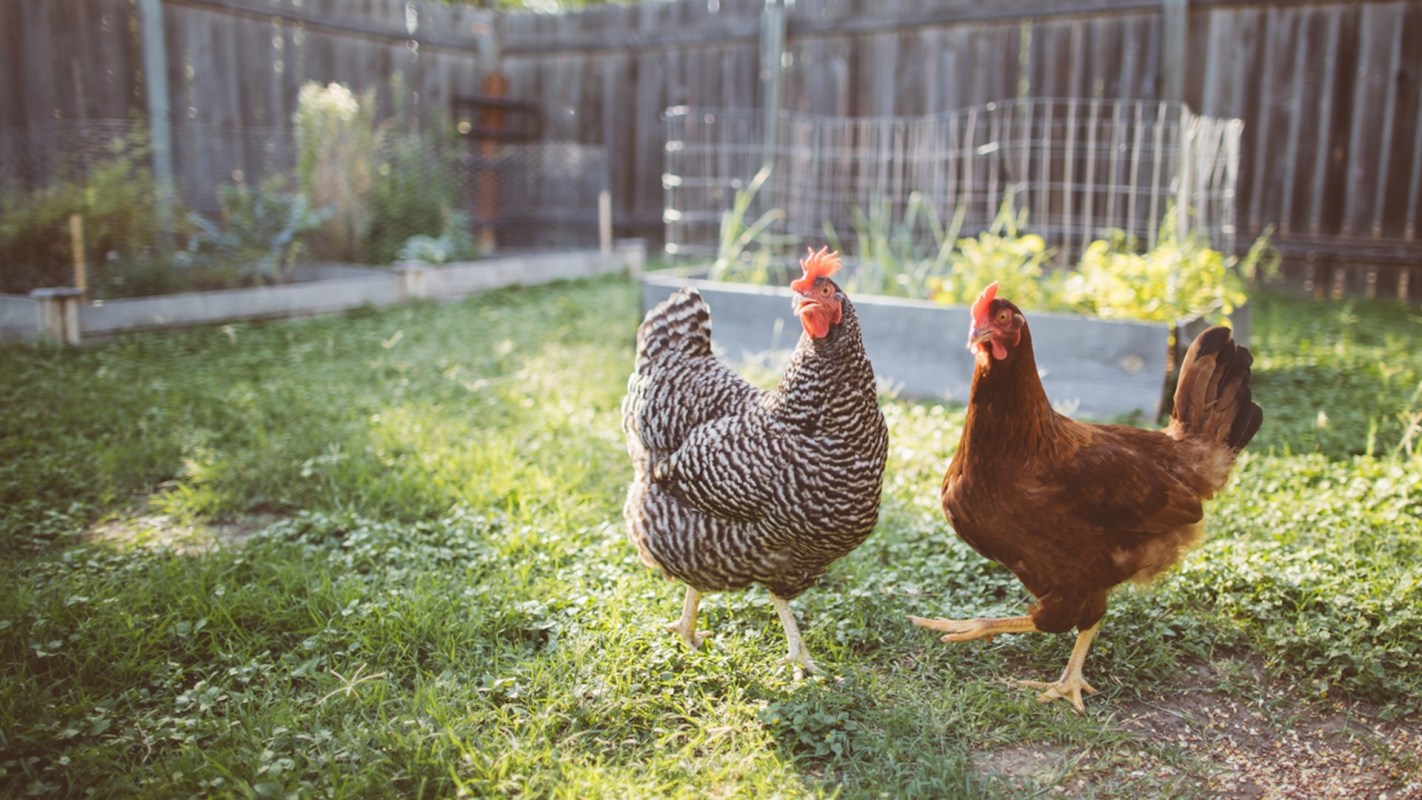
{"type": "Point", "coordinates": [434, 595]}
{"type": "Point", "coordinates": [818, 726]}
{"type": "Point", "coordinates": [454, 244]}
{"type": "Point", "coordinates": [259, 235]}
{"type": "Point", "coordinates": [1343, 377]}
{"type": "Point", "coordinates": [736, 260]}
{"type": "Point", "coordinates": [1179, 278]}
{"type": "Point", "coordinates": [917, 256]}
{"type": "Point", "coordinates": [115, 197]}
{"type": "Point", "coordinates": [1002, 253]}
{"type": "Point", "coordinates": [337, 139]}
{"type": "Point", "coordinates": [890, 259]}
{"type": "Point", "coordinates": [416, 185]}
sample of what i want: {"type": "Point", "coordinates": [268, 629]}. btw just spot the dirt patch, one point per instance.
{"type": "Point", "coordinates": [1264, 744]}
{"type": "Point", "coordinates": [1332, 752]}
{"type": "Point", "coordinates": [1037, 762]}
{"type": "Point", "coordinates": [161, 530]}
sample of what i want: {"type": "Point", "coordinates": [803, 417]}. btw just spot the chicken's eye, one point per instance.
{"type": "Point", "coordinates": [826, 290]}
{"type": "Point", "coordinates": [1003, 316]}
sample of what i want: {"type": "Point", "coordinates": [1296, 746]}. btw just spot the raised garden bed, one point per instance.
{"type": "Point", "coordinates": [61, 315]}
{"type": "Point", "coordinates": [1090, 367]}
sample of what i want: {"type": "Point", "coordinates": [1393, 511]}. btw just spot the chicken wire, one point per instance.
{"type": "Point", "coordinates": [525, 195]}
{"type": "Point", "coordinates": [1077, 168]}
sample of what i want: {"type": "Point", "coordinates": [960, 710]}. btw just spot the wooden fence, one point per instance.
{"type": "Point", "coordinates": [1330, 91]}
{"type": "Point", "coordinates": [233, 70]}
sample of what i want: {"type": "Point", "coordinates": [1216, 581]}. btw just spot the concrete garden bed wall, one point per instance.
{"type": "Point", "coordinates": [61, 315]}
{"type": "Point", "coordinates": [1090, 367]}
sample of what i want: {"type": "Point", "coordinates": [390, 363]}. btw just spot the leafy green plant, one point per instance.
{"type": "Point", "coordinates": [259, 235]}
{"type": "Point", "coordinates": [1178, 279]}
{"type": "Point", "coordinates": [817, 726]}
{"type": "Point", "coordinates": [453, 244]}
{"type": "Point", "coordinates": [1002, 253]}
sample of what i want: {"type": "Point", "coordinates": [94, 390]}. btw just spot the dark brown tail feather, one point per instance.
{"type": "Point", "coordinates": [1213, 397]}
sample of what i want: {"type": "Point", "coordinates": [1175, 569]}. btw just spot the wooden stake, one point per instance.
{"type": "Point", "coordinates": [76, 240]}
{"type": "Point", "coordinates": [486, 193]}
{"type": "Point", "coordinates": [604, 221]}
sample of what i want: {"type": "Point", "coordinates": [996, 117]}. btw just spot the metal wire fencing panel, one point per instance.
{"type": "Point", "coordinates": [239, 195]}
{"type": "Point", "coordinates": [1076, 168]}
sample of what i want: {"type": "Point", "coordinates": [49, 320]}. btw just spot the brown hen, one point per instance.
{"type": "Point", "coordinates": [1075, 509]}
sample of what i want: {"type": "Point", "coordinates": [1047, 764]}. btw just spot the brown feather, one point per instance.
{"type": "Point", "coordinates": [1072, 508]}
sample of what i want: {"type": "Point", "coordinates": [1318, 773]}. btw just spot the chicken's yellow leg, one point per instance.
{"type": "Point", "coordinates": [686, 626]}
{"type": "Point", "coordinates": [799, 656]}
{"type": "Point", "coordinates": [966, 630]}
{"type": "Point", "coordinates": [1071, 684]}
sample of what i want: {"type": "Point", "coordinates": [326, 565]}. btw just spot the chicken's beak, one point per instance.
{"type": "Point", "coordinates": [977, 336]}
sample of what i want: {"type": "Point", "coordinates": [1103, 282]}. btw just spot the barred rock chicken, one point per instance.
{"type": "Point", "coordinates": [1075, 509]}
{"type": "Point", "coordinates": [733, 485]}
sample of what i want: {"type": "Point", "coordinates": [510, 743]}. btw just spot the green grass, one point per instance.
{"type": "Point", "coordinates": [439, 599]}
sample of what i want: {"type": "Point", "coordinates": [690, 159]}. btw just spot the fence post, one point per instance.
{"type": "Point", "coordinates": [59, 313]}
{"type": "Point", "coordinates": [1175, 35]}
{"type": "Point", "coordinates": [414, 281]}
{"type": "Point", "coordinates": [633, 255]}
{"type": "Point", "coordinates": [486, 192]}
{"type": "Point", "coordinates": [155, 84]}
{"type": "Point", "coordinates": [772, 71]}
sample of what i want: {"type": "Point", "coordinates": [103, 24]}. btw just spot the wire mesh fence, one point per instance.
{"type": "Point", "coordinates": [1076, 169]}
{"type": "Point", "coordinates": [251, 205]}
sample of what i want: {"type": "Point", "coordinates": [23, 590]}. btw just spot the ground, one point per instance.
{"type": "Point", "coordinates": [1277, 747]}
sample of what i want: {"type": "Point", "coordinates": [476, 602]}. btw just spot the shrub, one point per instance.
{"type": "Point", "coordinates": [1179, 278]}
{"type": "Point", "coordinates": [114, 196]}
{"type": "Point", "coordinates": [416, 185]}
{"type": "Point", "coordinates": [336, 143]}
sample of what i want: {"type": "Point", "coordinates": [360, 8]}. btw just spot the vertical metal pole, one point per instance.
{"type": "Point", "coordinates": [155, 81]}
{"type": "Point", "coordinates": [772, 54]}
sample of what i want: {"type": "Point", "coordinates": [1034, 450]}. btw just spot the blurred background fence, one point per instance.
{"type": "Point", "coordinates": [1071, 170]}
{"type": "Point", "coordinates": [1329, 91]}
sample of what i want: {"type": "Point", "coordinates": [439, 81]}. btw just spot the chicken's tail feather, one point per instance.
{"type": "Point", "coordinates": [680, 324]}
{"type": "Point", "coordinates": [1213, 399]}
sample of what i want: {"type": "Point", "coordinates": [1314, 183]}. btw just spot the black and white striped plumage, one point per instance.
{"type": "Point", "coordinates": [734, 485]}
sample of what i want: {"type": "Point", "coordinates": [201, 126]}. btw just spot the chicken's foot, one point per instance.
{"type": "Point", "coordinates": [799, 656]}
{"type": "Point", "coordinates": [1071, 684]}
{"type": "Point", "coordinates": [966, 630]}
{"type": "Point", "coordinates": [686, 626]}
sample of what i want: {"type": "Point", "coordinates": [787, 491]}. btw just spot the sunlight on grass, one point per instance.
{"type": "Point", "coordinates": [426, 588]}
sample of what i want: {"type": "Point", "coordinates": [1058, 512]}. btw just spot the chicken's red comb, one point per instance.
{"type": "Point", "coordinates": [818, 264]}
{"type": "Point", "coordinates": [980, 305]}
